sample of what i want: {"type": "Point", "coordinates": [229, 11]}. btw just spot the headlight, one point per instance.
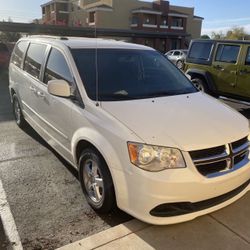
{"type": "Point", "coordinates": [155, 158]}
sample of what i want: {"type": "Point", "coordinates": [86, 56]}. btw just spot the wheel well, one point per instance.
{"type": "Point", "coordinates": [83, 145]}
{"type": "Point", "coordinates": [195, 75]}
{"type": "Point", "coordinates": [12, 91]}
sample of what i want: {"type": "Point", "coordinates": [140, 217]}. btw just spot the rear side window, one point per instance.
{"type": "Point", "coordinates": [19, 52]}
{"type": "Point", "coordinates": [34, 59]}
{"type": "Point", "coordinates": [177, 53]}
{"type": "Point", "coordinates": [200, 50]}
{"type": "Point", "coordinates": [227, 53]}
{"type": "Point", "coordinates": [57, 67]}
{"type": "Point", "coordinates": [247, 62]}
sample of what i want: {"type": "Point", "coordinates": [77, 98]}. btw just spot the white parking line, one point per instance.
{"type": "Point", "coordinates": [8, 221]}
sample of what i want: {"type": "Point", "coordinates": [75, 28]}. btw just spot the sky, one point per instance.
{"type": "Point", "coordinates": [219, 15]}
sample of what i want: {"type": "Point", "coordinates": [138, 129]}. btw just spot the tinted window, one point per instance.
{"type": "Point", "coordinates": [57, 67]}
{"type": "Point", "coordinates": [129, 74]}
{"type": "Point", "coordinates": [247, 62]}
{"type": "Point", "coordinates": [18, 53]}
{"type": "Point", "coordinates": [34, 59]}
{"type": "Point", "coordinates": [227, 53]}
{"type": "Point", "coordinates": [200, 50]}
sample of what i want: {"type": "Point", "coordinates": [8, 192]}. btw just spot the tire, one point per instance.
{"type": "Point", "coordinates": [20, 121]}
{"type": "Point", "coordinates": [180, 64]}
{"type": "Point", "coordinates": [96, 181]}
{"type": "Point", "coordinates": [201, 85]}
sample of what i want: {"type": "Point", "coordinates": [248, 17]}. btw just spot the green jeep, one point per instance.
{"type": "Point", "coordinates": [220, 68]}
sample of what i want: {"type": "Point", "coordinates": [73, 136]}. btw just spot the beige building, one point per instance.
{"type": "Point", "coordinates": [175, 24]}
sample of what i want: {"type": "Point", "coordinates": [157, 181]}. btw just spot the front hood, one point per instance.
{"type": "Point", "coordinates": [188, 122]}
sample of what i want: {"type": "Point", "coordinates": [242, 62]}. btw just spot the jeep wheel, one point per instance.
{"type": "Point", "coordinates": [200, 85]}
{"type": "Point", "coordinates": [96, 181]}
{"type": "Point", "coordinates": [180, 64]}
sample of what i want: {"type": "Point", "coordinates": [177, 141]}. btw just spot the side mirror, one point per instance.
{"type": "Point", "coordinates": [59, 88]}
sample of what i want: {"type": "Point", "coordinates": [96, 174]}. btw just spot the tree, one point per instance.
{"type": "Point", "coordinates": [205, 37]}
{"type": "Point", "coordinates": [7, 36]}
{"type": "Point", "coordinates": [218, 35]}
{"type": "Point", "coordinates": [235, 33]}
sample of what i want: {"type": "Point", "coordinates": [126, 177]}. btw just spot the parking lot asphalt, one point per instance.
{"type": "Point", "coordinates": [46, 200]}
{"type": "Point", "coordinates": [42, 189]}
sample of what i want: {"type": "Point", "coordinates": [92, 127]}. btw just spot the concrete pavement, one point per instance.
{"type": "Point", "coordinates": [227, 229]}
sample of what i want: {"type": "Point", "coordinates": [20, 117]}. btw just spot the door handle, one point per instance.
{"type": "Point", "coordinates": [219, 67]}
{"type": "Point", "coordinates": [33, 89]}
{"type": "Point", "coordinates": [40, 94]}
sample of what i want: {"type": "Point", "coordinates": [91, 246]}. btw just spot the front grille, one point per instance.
{"type": "Point", "coordinates": [204, 153]}
{"type": "Point", "coordinates": [239, 143]}
{"type": "Point", "coordinates": [220, 160]}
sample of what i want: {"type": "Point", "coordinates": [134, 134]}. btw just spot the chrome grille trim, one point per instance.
{"type": "Point", "coordinates": [228, 161]}
{"type": "Point", "coordinates": [243, 147]}
{"type": "Point", "coordinates": [210, 159]}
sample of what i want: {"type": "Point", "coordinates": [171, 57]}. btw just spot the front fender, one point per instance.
{"type": "Point", "coordinates": [99, 142]}
{"type": "Point", "coordinates": [206, 75]}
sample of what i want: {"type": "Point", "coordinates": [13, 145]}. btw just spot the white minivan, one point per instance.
{"type": "Point", "coordinates": [140, 134]}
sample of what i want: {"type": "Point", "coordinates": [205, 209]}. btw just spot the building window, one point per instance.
{"type": "Point", "coordinates": [149, 19]}
{"type": "Point", "coordinates": [64, 7]}
{"type": "Point", "coordinates": [135, 19]}
{"type": "Point", "coordinates": [92, 17]}
{"type": "Point", "coordinates": [43, 10]}
{"type": "Point", "coordinates": [177, 22]}
{"type": "Point", "coordinates": [164, 21]}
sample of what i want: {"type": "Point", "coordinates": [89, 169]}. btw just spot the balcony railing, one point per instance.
{"type": "Point", "coordinates": [177, 28]}
{"type": "Point", "coordinates": [148, 25]}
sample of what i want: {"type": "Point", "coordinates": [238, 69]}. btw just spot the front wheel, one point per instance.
{"type": "Point", "coordinates": [180, 64]}
{"type": "Point", "coordinates": [96, 181]}
{"type": "Point", "coordinates": [200, 85]}
{"type": "Point", "coordinates": [20, 121]}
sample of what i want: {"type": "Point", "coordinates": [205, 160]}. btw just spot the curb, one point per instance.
{"type": "Point", "coordinates": [107, 236]}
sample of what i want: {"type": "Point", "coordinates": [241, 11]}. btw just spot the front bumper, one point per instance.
{"type": "Point", "coordinates": [140, 193]}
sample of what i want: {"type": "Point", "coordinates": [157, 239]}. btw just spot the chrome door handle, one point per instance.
{"type": "Point", "coordinates": [33, 89]}
{"type": "Point", "coordinates": [40, 94]}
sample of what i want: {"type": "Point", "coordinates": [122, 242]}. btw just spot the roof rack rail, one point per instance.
{"type": "Point", "coordinates": [52, 37]}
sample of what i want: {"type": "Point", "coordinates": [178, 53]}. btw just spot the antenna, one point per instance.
{"type": "Point", "coordinates": [96, 66]}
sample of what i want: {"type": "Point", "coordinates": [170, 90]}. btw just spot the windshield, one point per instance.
{"type": "Point", "coordinates": [129, 74]}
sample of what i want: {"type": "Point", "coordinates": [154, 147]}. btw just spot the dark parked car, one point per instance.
{"type": "Point", "coordinates": [4, 56]}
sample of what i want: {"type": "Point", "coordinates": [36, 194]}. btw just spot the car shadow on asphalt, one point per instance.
{"type": "Point", "coordinates": [114, 218]}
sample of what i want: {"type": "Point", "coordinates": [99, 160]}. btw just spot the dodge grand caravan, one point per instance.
{"type": "Point", "coordinates": [140, 134]}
